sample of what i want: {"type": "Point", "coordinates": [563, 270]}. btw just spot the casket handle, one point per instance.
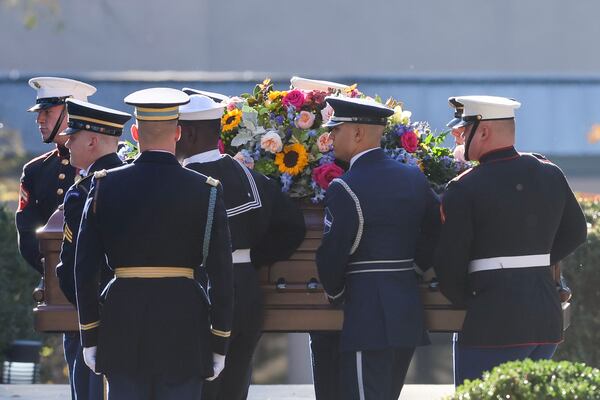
{"type": "Point", "coordinates": [281, 284]}
{"type": "Point", "coordinates": [434, 285]}
{"type": "Point", "coordinates": [313, 284]}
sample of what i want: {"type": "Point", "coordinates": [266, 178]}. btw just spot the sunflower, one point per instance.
{"type": "Point", "coordinates": [292, 160]}
{"type": "Point", "coordinates": [276, 95]}
{"type": "Point", "coordinates": [231, 120]}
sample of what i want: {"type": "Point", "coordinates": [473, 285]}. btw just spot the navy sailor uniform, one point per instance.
{"type": "Point", "coordinates": [265, 227]}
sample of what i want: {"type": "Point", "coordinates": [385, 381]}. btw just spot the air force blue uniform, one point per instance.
{"type": "Point", "coordinates": [380, 219]}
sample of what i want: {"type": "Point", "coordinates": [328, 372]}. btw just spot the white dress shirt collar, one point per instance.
{"type": "Point", "coordinates": [207, 156]}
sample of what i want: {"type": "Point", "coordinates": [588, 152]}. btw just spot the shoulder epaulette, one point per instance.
{"type": "Point", "coordinates": [212, 181]}
{"type": "Point", "coordinates": [100, 174]}
{"type": "Point", "coordinates": [540, 157]}
{"type": "Point", "coordinates": [40, 159]}
{"type": "Point", "coordinates": [461, 175]}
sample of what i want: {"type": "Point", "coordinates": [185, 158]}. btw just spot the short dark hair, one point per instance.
{"type": "Point", "coordinates": [202, 126]}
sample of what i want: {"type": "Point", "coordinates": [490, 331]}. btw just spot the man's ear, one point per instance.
{"type": "Point", "coordinates": [134, 133]}
{"type": "Point", "coordinates": [93, 141]}
{"type": "Point", "coordinates": [359, 133]}
{"type": "Point", "coordinates": [178, 133]}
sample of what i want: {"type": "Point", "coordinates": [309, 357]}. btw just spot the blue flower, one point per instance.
{"type": "Point", "coordinates": [312, 133]}
{"type": "Point", "coordinates": [279, 119]}
{"type": "Point", "coordinates": [286, 182]}
{"type": "Point", "coordinates": [327, 158]}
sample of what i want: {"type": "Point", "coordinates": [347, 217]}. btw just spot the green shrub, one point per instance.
{"type": "Point", "coordinates": [17, 280]}
{"type": "Point", "coordinates": [582, 271]}
{"type": "Point", "coordinates": [534, 380]}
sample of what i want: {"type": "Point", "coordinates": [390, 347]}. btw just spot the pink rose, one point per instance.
{"type": "Point", "coordinates": [305, 120]}
{"type": "Point", "coordinates": [294, 98]}
{"type": "Point", "coordinates": [271, 142]}
{"type": "Point", "coordinates": [316, 96]}
{"type": "Point", "coordinates": [410, 141]}
{"type": "Point", "coordinates": [233, 102]}
{"type": "Point", "coordinates": [326, 113]}
{"type": "Point", "coordinates": [221, 147]}
{"type": "Point", "coordinates": [324, 174]}
{"type": "Point", "coordinates": [247, 161]}
{"type": "Point", "coordinates": [324, 142]}
{"type": "Point", "coordinates": [459, 153]}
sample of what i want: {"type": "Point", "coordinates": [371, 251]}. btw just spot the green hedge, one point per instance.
{"type": "Point", "coordinates": [529, 380]}
{"type": "Point", "coordinates": [582, 271]}
{"type": "Point", "coordinates": [17, 280]}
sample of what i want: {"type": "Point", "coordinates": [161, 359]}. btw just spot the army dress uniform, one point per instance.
{"type": "Point", "coordinates": [84, 116]}
{"type": "Point", "coordinates": [156, 223]}
{"type": "Point", "coordinates": [46, 179]}
{"type": "Point", "coordinates": [505, 222]}
{"type": "Point", "coordinates": [265, 227]}
{"type": "Point", "coordinates": [381, 217]}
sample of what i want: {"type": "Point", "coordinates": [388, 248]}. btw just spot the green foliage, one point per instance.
{"type": "Point", "coordinates": [581, 271]}
{"type": "Point", "coordinates": [529, 380]}
{"type": "Point", "coordinates": [17, 280]}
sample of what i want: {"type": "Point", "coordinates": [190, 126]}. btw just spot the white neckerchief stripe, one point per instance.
{"type": "Point", "coordinates": [251, 205]}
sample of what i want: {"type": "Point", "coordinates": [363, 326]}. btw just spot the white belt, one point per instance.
{"type": "Point", "coordinates": [241, 256]}
{"type": "Point", "coordinates": [488, 264]}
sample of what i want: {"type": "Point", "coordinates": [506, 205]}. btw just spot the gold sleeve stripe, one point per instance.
{"type": "Point", "coordinates": [68, 238]}
{"type": "Point", "coordinates": [217, 332]}
{"type": "Point", "coordinates": [87, 327]}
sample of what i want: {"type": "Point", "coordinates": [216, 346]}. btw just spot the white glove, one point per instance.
{"type": "Point", "coordinates": [218, 365]}
{"type": "Point", "coordinates": [89, 356]}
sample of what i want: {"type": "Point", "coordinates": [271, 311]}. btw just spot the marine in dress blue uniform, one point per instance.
{"type": "Point", "coordinates": [381, 218]}
{"type": "Point", "coordinates": [93, 152]}
{"type": "Point", "coordinates": [506, 221]}
{"type": "Point", "coordinates": [265, 227]}
{"type": "Point", "coordinates": [46, 178]}
{"type": "Point", "coordinates": [159, 332]}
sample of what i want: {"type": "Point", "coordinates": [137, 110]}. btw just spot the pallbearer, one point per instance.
{"type": "Point", "coordinates": [160, 332]}
{"type": "Point", "coordinates": [93, 133]}
{"type": "Point", "coordinates": [381, 217]}
{"type": "Point", "coordinates": [504, 223]}
{"type": "Point", "coordinates": [265, 227]}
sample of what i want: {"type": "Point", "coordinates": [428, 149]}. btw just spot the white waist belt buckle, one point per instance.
{"type": "Point", "coordinates": [241, 256]}
{"type": "Point", "coordinates": [488, 264]}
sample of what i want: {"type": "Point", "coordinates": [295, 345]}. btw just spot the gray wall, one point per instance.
{"type": "Point", "coordinates": [313, 36]}
{"type": "Point", "coordinates": [555, 118]}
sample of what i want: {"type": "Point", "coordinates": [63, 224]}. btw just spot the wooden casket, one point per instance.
{"type": "Point", "coordinates": [294, 298]}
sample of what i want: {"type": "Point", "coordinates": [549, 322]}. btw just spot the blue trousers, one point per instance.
{"type": "Point", "coordinates": [362, 375]}
{"type": "Point", "coordinates": [85, 385]}
{"type": "Point", "coordinates": [374, 374]}
{"type": "Point", "coordinates": [122, 387]}
{"type": "Point", "coordinates": [471, 362]}
{"type": "Point", "coordinates": [325, 355]}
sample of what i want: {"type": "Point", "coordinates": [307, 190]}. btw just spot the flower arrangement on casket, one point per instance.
{"type": "Point", "coordinates": [279, 134]}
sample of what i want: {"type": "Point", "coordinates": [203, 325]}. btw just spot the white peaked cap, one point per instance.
{"type": "Point", "coordinates": [201, 108]}
{"type": "Point", "coordinates": [487, 107]}
{"type": "Point", "coordinates": [48, 87]}
{"type": "Point", "coordinates": [311, 84]}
